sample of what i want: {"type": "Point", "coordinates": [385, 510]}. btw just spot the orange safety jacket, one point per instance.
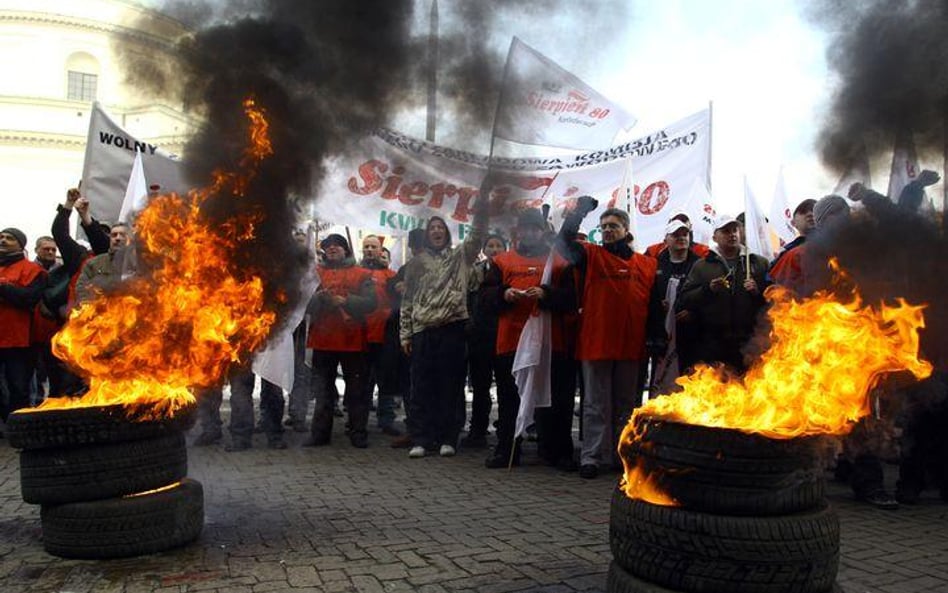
{"type": "Point", "coordinates": [16, 321]}
{"type": "Point", "coordinates": [521, 272]}
{"type": "Point", "coordinates": [615, 301]}
{"type": "Point", "coordinates": [375, 321]}
{"type": "Point", "coordinates": [333, 329]}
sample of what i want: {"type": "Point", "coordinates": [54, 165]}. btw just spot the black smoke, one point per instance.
{"type": "Point", "coordinates": [326, 72]}
{"type": "Point", "coordinates": [890, 252]}
{"type": "Point", "coordinates": [891, 60]}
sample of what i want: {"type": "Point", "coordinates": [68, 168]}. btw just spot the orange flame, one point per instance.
{"type": "Point", "coordinates": [190, 318]}
{"type": "Point", "coordinates": [638, 483]}
{"type": "Point", "coordinates": [170, 486]}
{"type": "Point", "coordinates": [824, 358]}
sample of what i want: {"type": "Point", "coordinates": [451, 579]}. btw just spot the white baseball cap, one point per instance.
{"type": "Point", "coordinates": [674, 225]}
{"type": "Point", "coordinates": [722, 221]}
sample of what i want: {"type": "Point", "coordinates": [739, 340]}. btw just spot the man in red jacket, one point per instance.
{"type": "Point", "coordinates": [337, 336]}
{"type": "Point", "coordinates": [617, 283]}
{"type": "Point", "coordinates": [21, 283]}
{"type": "Point", "coordinates": [379, 373]}
{"type": "Point", "coordinates": [513, 286]}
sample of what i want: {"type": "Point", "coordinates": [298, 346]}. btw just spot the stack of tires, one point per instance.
{"type": "Point", "coordinates": [109, 486]}
{"type": "Point", "coordinates": [752, 516]}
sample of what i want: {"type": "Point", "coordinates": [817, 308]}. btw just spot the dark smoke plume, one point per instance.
{"type": "Point", "coordinates": [326, 72]}
{"type": "Point", "coordinates": [892, 62]}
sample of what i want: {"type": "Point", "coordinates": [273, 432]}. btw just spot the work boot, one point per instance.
{"type": "Point", "coordinates": [296, 425]}
{"type": "Point", "coordinates": [238, 445]}
{"type": "Point", "coordinates": [359, 440]}
{"type": "Point", "coordinates": [401, 442]}
{"type": "Point", "coordinates": [881, 500]}
{"type": "Point", "coordinates": [588, 471]}
{"type": "Point", "coordinates": [474, 441]}
{"type": "Point", "coordinates": [207, 438]}
{"type": "Point", "coordinates": [276, 442]}
{"type": "Point", "coordinates": [499, 459]}
{"type": "Point", "coordinates": [566, 463]}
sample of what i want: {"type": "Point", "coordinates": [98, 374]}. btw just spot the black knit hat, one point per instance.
{"type": "Point", "coordinates": [336, 239]}
{"type": "Point", "coordinates": [532, 217]}
{"type": "Point", "coordinates": [18, 234]}
{"type": "Point", "coordinates": [416, 238]}
{"type": "Point", "coordinates": [804, 206]}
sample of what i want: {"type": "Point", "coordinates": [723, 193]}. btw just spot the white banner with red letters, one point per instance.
{"type": "Point", "coordinates": [396, 183]}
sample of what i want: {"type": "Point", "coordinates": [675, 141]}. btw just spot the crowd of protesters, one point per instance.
{"type": "Point", "coordinates": [622, 324]}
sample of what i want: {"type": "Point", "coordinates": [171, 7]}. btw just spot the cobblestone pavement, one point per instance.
{"type": "Point", "coordinates": [372, 520]}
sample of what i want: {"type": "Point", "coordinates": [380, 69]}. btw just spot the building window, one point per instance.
{"type": "Point", "coordinates": [81, 86]}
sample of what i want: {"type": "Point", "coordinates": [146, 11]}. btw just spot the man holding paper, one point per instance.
{"type": "Point", "coordinates": [515, 284]}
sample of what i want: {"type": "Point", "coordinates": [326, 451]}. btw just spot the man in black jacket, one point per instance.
{"type": "Point", "coordinates": [723, 298]}
{"type": "Point", "coordinates": [670, 336]}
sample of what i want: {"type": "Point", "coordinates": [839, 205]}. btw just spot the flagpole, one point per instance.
{"type": "Point", "coordinates": [710, 139]}
{"type": "Point", "coordinates": [513, 447]}
{"type": "Point", "coordinates": [747, 214]}
{"type": "Point", "coordinates": [500, 102]}
{"type": "Point", "coordinates": [349, 238]}
{"type": "Point", "coordinates": [432, 73]}
{"type": "Point", "coordinates": [944, 174]}
{"type": "Point", "coordinates": [490, 160]}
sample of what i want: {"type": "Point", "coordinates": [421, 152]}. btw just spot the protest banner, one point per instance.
{"type": "Point", "coordinates": [396, 182]}
{"type": "Point", "coordinates": [110, 155]}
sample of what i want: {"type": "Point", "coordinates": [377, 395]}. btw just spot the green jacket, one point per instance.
{"type": "Point", "coordinates": [437, 283]}
{"type": "Point", "coordinates": [100, 274]}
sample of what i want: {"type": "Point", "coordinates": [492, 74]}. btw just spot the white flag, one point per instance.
{"type": "Point", "coordinates": [904, 164]}
{"type": "Point", "coordinates": [757, 232]}
{"type": "Point", "coordinates": [136, 193]}
{"type": "Point", "coordinates": [781, 217]}
{"type": "Point", "coordinates": [543, 104]}
{"type": "Point", "coordinates": [626, 194]}
{"type": "Point", "coordinates": [275, 362]}
{"type": "Point", "coordinates": [110, 155]}
{"type": "Point", "coordinates": [533, 360]}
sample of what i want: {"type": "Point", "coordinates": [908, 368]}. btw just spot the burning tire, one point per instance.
{"type": "Point", "coordinates": [93, 472]}
{"type": "Point", "coordinates": [123, 527]}
{"type": "Point", "coordinates": [58, 428]}
{"type": "Point", "coordinates": [704, 553]}
{"type": "Point", "coordinates": [729, 472]}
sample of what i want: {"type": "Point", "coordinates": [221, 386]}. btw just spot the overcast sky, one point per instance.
{"type": "Point", "coordinates": [761, 63]}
